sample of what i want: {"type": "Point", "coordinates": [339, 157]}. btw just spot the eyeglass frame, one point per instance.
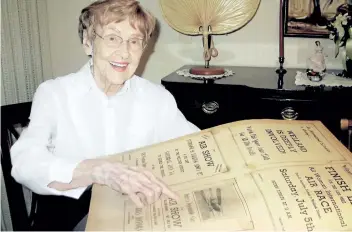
{"type": "Point", "coordinates": [122, 40]}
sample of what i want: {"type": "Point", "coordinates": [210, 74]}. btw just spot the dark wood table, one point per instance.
{"type": "Point", "coordinates": [255, 93]}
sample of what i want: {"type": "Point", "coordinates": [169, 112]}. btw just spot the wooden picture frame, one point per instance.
{"type": "Point", "coordinates": [308, 18]}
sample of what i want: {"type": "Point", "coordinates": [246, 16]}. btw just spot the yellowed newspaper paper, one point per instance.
{"type": "Point", "coordinates": [308, 197]}
{"type": "Point", "coordinates": [182, 160]}
{"type": "Point", "coordinates": [267, 175]}
{"type": "Point", "coordinates": [198, 208]}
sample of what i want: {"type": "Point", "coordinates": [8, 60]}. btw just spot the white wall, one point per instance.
{"type": "Point", "coordinates": [256, 44]}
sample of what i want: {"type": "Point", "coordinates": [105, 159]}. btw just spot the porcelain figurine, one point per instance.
{"type": "Point", "coordinates": [316, 64]}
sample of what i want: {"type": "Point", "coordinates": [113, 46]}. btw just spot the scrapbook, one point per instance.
{"type": "Point", "coordinates": [252, 175]}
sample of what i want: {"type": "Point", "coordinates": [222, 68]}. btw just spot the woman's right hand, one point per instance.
{"type": "Point", "coordinates": [131, 181]}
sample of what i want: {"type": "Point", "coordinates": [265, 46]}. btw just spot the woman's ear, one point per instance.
{"type": "Point", "coordinates": [87, 44]}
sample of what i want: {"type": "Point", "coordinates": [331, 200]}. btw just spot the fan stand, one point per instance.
{"type": "Point", "coordinates": [204, 71]}
{"type": "Point", "coordinates": [209, 51]}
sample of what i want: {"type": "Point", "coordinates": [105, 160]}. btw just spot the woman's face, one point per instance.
{"type": "Point", "coordinates": [117, 49]}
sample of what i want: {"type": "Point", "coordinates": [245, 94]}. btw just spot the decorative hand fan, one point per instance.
{"type": "Point", "coordinates": [207, 18]}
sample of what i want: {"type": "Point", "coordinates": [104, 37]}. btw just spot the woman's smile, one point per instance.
{"type": "Point", "coordinates": [119, 66]}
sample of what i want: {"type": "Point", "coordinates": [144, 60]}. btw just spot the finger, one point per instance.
{"type": "Point", "coordinates": [169, 193]}
{"type": "Point", "coordinates": [143, 198]}
{"type": "Point", "coordinates": [134, 171]}
{"type": "Point", "coordinates": [148, 193]}
{"type": "Point", "coordinates": [117, 187]}
{"type": "Point", "coordinates": [157, 191]}
{"type": "Point", "coordinates": [155, 182]}
{"type": "Point", "coordinates": [165, 190]}
{"type": "Point", "coordinates": [133, 184]}
{"type": "Point", "coordinates": [136, 200]}
{"type": "Point", "coordinates": [129, 177]}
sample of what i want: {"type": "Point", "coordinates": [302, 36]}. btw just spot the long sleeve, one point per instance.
{"type": "Point", "coordinates": [171, 122]}
{"type": "Point", "coordinates": [33, 164]}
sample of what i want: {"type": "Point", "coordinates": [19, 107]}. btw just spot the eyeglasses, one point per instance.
{"type": "Point", "coordinates": [114, 41]}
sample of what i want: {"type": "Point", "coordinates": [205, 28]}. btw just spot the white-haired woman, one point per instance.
{"type": "Point", "coordinates": [102, 109]}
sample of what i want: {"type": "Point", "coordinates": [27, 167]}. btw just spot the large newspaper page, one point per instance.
{"type": "Point", "coordinates": [251, 175]}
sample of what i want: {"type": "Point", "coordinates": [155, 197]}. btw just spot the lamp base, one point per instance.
{"type": "Point", "coordinates": [206, 71]}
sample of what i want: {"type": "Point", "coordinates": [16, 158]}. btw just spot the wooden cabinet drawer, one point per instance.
{"type": "Point", "coordinates": [206, 106]}
{"type": "Point", "coordinates": [207, 111]}
{"type": "Point", "coordinates": [285, 109]}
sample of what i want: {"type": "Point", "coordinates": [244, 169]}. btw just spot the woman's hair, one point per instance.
{"type": "Point", "coordinates": [103, 12]}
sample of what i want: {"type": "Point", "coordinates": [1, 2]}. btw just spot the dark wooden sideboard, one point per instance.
{"type": "Point", "coordinates": [254, 93]}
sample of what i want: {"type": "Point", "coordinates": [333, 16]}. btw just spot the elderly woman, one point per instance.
{"type": "Point", "coordinates": [102, 109]}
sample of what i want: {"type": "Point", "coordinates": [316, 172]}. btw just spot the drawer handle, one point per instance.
{"type": "Point", "coordinates": [289, 113]}
{"type": "Point", "coordinates": [210, 107]}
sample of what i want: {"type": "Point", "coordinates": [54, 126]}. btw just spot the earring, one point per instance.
{"type": "Point", "coordinates": [91, 63]}
{"type": "Point", "coordinates": [91, 60]}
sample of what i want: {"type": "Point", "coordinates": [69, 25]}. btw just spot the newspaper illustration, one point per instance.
{"type": "Point", "coordinates": [199, 208]}
{"type": "Point", "coordinates": [279, 176]}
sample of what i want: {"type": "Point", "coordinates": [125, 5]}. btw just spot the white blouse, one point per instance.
{"type": "Point", "coordinates": [72, 119]}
